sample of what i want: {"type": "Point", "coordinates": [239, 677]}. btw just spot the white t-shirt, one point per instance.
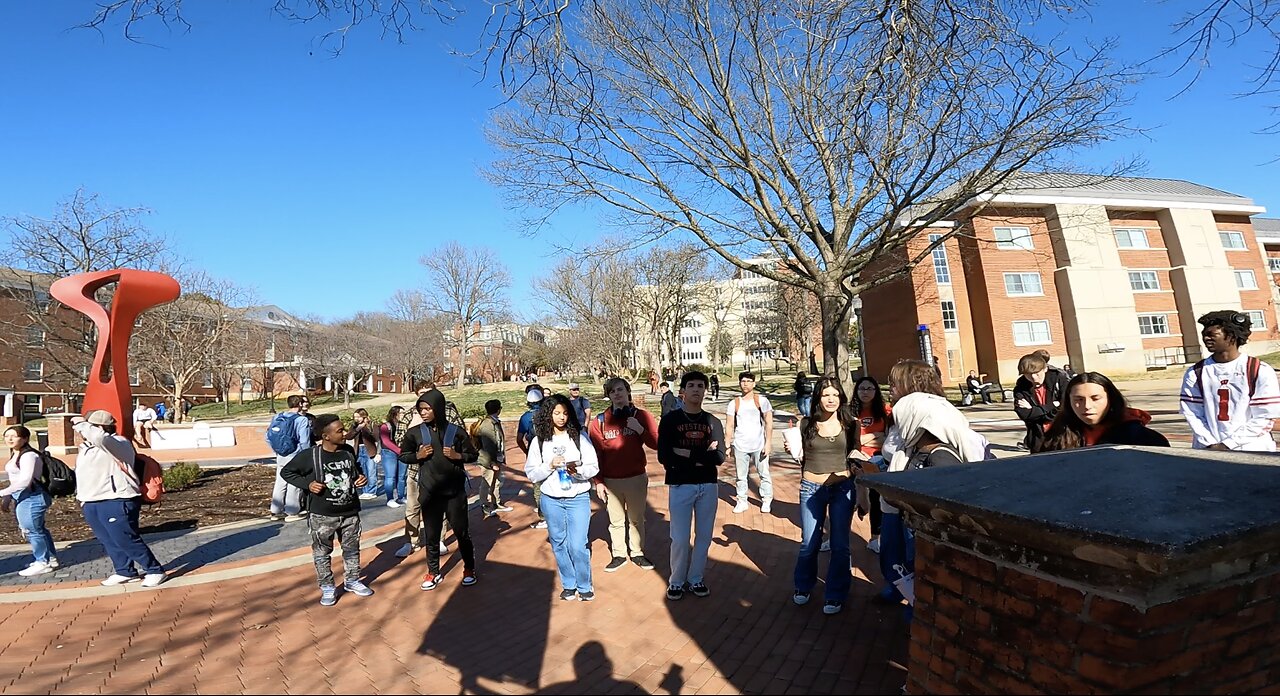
{"type": "Point", "coordinates": [143, 415]}
{"type": "Point", "coordinates": [748, 423]}
{"type": "Point", "coordinates": [1219, 409]}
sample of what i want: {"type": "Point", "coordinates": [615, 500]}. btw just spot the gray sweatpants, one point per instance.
{"type": "Point", "coordinates": [323, 530]}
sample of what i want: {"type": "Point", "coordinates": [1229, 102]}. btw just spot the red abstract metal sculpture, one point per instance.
{"type": "Point", "coordinates": [135, 293]}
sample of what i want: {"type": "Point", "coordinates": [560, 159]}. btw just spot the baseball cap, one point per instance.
{"type": "Point", "coordinates": [573, 385]}
{"type": "Point", "coordinates": [101, 417]}
{"type": "Point", "coordinates": [533, 396]}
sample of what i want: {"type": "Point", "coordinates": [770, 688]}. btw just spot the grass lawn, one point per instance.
{"type": "Point", "coordinates": [237, 410]}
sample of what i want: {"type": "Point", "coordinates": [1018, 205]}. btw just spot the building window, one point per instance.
{"type": "Point", "coordinates": [1273, 265]}
{"type": "Point", "coordinates": [1153, 324]}
{"type": "Point", "coordinates": [1257, 320]}
{"type": "Point", "coordinates": [1016, 284]}
{"type": "Point", "coordinates": [135, 377]}
{"type": "Point", "coordinates": [488, 350]}
{"type": "Point", "coordinates": [35, 337]}
{"type": "Point", "coordinates": [33, 371]}
{"type": "Point", "coordinates": [953, 362]}
{"type": "Point", "coordinates": [379, 385]}
{"type": "Point", "coordinates": [1144, 281]}
{"type": "Point", "coordinates": [941, 271]}
{"type": "Point", "coordinates": [1013, 238]}
{"type": "Point", "coordinates": [949, 320]}
{"type": "Point", "coordinates": [1031, 333]}
{"type": "Point", "coordinates": [379, 371]}
{"type": "Point", "coordinates": [1246, 281]}
{"type": "Point", "coordinates": [1131, 238]}
{"type": "Point", "coordinates": [208, 380]}
{"type": "Point", "coordinates": [246, 384]}
{"type": "Point", "coordinates": [32, 407]}
{"type": "Point", "coordinates": [1232, 240]}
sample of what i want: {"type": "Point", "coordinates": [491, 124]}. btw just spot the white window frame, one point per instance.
{"type": "Point", "coordinates": [1031, 338]}
{"type": "Point", "coordinates": [26, 371]}
{"type": "Point", "coordinates": [1014, 241]}
{"type": "Point", "coordinates": [1258, 318]}
{"type": "Point", "coordinates": [246, 381]}
{"type": "Point", "coordinates": [1243, 273]}
{"type": "Point", "coordinates": [941, 267]}
{"type": "Point", "coordinates": [952, 324]}
{"type": "Point", "coordinates": [135, 377]}
{"type": "Point", "coordinates": [1128, 233]}
{"type": "Point", "coordinates": [208, 381]}
{"type": "Point", "coordinates": [1151, 315]}
{"type": "Point", "coordinates": [1022, 280]}
{"type": "Point", "coordinates": [1224, 235]}
{"type": "Point", "coordinates": [34, 339]}
{"type": "Point", "coordinates": [1141, 274]}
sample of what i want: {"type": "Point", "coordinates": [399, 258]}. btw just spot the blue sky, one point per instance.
{"type": "Point", "coordinates": [268, 163]}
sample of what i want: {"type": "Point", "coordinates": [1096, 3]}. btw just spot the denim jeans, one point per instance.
{"type": "Point", "coordinates": [31, 506]}
{"type": "Point", "coordinates": [393, 476]}
{"type": "Point", "coordinates": [803, 403]}
{"type": "Point", "coordinates": [567, 521]}
{"type": "Point", "coordinates": [369, 469]}
{"type": "Point", "coordinates": [744, 460]}
{"type": "Point", "coordinates": [692, 506]}
{"type": "Point", "coordinates": [897, 547]}
{"type": "Point", "coordinates": [816, 502]}
{"type": "Point", "coordinates": [115, 524]}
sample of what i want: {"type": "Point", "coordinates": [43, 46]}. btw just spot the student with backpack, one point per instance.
{"type": "Point", "coordinates": [440, 449]}
{"type": "Point", "coordinates": [288, 434]}
{"type": "Point", "coordinates": [490, 443]}
{"type": "Point", "coordinates": [1230, 399]}
{"type": "Point", "coordinates": [29, 499]}
{"type": "Point", "coordinates": [332, 478]}
{"type": "Point", "coordinates": [110, 492]}
{"type": "Point", "coordinates": [749, 431]}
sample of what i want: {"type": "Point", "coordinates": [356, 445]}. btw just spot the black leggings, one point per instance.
{"type": "Point", "coordinates": [876, 513]}
{"type": "Point", "coordinates": [434, 510]}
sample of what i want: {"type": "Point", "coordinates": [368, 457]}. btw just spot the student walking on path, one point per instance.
{"type": "Point", "coordinates": [29, 499]}
{"type": "Point", "coordinates": [562, 463]}
{"type": "Point", "coordinates": [331, 478]}
{"type": "Point", "coordinates": [691, 449]}
{"type": "Point", "coordinates": [620, 433]}
{"type": "Point", "coordinates": [749, 430]}
{"type": "Point", "coordinates": [490, 441]}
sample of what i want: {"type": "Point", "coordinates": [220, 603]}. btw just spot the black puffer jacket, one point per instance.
{"type": "Point", "coordinates": [438, 476]}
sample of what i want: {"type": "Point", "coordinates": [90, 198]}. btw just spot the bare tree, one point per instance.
{"type": "Point", "coordinates": [592, 294]}
{"type": "Point", "coordinates": [720, 303]}
{"type": "Point", "coordinates": [1223, 23]}
{"type": "Point", "coordinates": [468, 286]}
{"type": "Point", "coordinates": [417, 336]}
{"type": "Point", "coordinates": [180, 341]}
{"type": "Point", "coordinates": [668, 279]}
{"type": "Point", "coordinates": [82, 236]}
{"type": "Point", "coordinates": [821, 133]}
{"type": "Point", "coordinates": [797, 313]}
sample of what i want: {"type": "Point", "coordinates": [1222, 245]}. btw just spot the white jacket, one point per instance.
{"type": "Point", "coordinates": [99, 475]}
{"type": "Point", "coordinates": [537, 466]}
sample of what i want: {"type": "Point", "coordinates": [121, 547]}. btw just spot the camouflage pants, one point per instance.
{"type": "Point", "coordinates": [323, 530]}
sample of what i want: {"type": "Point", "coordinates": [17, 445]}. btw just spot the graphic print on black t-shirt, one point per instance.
{"type": "Point", "coordinates": [338, 472]}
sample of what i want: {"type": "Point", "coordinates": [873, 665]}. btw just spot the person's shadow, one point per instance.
{"type": "Point", "coordinates": [216, 550]}
{"type": "Point", "coordinates": [593, 674]}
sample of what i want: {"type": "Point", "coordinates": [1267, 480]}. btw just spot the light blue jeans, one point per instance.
{"type": "Point", "coordinates": [369, 469]}
{"type": "Point", "coordinates": [394, 474]}
{"type": "Point", "coordinates": [692, 507]}
{"type": "Point", "coordinates": [32, 504]}
{"type": "Point", "coordinates": [816, 502]}
{"type": "Point", "coordinates": [567, 522]}
{"type": "Point", "coordinates": [744, 460]}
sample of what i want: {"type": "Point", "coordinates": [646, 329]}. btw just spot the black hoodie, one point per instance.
{"type": "Point", "coordinates": [438, 476]}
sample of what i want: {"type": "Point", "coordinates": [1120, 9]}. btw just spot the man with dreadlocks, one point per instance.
{"type": "Point", "coordinates": [1230, 399]}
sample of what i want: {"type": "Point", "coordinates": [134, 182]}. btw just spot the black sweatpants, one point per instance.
{"type": "Point", "coordinates": [434, 511]}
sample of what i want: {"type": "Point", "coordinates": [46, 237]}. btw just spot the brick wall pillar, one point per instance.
{"type": "Point", "coordinates": [1116, 569]}
{"type": "Point", "coordinates": [62, 439]}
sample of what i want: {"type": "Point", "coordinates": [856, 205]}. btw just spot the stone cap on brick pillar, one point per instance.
{"type": "Point", "coordinates": [1143, 525]}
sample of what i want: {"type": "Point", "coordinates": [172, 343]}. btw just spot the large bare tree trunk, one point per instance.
{"type": "Point", "coordinates": [837, 310]}
{"type": "Point", "coordinates": [462, 360]}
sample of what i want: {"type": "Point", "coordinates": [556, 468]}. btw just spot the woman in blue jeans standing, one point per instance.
{"type": "Point", "coordinates": [561, 462]}
{"type": "Point", "coordinates": [830, 453]}
{"type": "Point", "coordinates": [29, 498]}
{"type": "Point", "coordinates": [393, 470]}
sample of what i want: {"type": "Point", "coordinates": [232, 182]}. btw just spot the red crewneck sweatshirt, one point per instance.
{"type": "Point", "coordinates": [621, 451]}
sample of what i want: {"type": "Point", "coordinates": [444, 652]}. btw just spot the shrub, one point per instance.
{"type": "Point", "coordinates": [180, 476]}
{"type": "Point", "coordinates": [473, 412]}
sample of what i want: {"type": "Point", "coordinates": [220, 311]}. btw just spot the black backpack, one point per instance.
{"type": "Point", "coordinates": [56, 477]}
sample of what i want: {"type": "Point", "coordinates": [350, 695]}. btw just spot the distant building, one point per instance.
{"type": "Point", "coordinates": [1107, 275]}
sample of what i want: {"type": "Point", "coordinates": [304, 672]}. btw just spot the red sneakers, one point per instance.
{"type": "Point", "coordinates": [430, 581]}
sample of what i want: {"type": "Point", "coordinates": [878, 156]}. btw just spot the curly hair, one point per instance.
{"type": "Point", "coordinates": [1235, 325]}
{"type": "Point", "coordinates": [544, 428]}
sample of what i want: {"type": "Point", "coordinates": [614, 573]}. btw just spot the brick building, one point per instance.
{"type": "Point", "coordinates": [1106, 274]}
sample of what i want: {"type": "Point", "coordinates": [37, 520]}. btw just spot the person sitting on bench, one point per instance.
{"type": "Point", "coordinates": [978, 386]}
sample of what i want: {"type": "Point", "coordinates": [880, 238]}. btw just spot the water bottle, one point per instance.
{"type": "Point", "coordinates": [565, 482]}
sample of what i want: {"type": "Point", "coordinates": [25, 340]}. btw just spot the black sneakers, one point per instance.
{"type": "Point", "coordinates": [641, 562]}
{"type": "Point", "coordinates": [675, 593]}
{"type": "Point", "coordinates": [569, 595]}
{"type": "Point", "coordinates": [616, 563]}
{"type": "Point", "coordinates": [699, 590]}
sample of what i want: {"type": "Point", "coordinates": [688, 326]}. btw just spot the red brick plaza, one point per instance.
{"type": "Point", "coordinates": [258, 627]}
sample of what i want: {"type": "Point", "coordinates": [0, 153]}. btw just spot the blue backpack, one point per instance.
{"type": "Point", "coordinates": [282, 435]}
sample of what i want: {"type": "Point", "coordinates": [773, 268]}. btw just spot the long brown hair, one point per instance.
{"type": "Point", "coordinates": [845, 414]}
{"type": "Point", "coordinates": [1067, 430]}
{"type": "Point", "coordinates": [914, 376]}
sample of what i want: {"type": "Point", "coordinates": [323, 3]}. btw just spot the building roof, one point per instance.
{"type": "Point", "coordinates": [1267, 228]}
{"type": "Point", "coordinates": [1119, 191]}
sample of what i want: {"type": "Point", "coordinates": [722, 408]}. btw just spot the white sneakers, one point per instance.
{"type": "Point", "coordinates": [154, 579]}
{"type": "Point", "coordinates": [444, 548]}
{"type": "Point", "coordinates": [766, 507]}
{"type": "Point", "coordinates": [368, 496]}
{"type": "Point", "coordinates": [38, 568]}
{"type": "Point", "coordinates": [741, 507]}
{"type": "Point", "coordinates": [391, 503]}
{"type": "Point", "coordinates": [118, 580]}
{"type": "Point", "coordinates": [405, 551]}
